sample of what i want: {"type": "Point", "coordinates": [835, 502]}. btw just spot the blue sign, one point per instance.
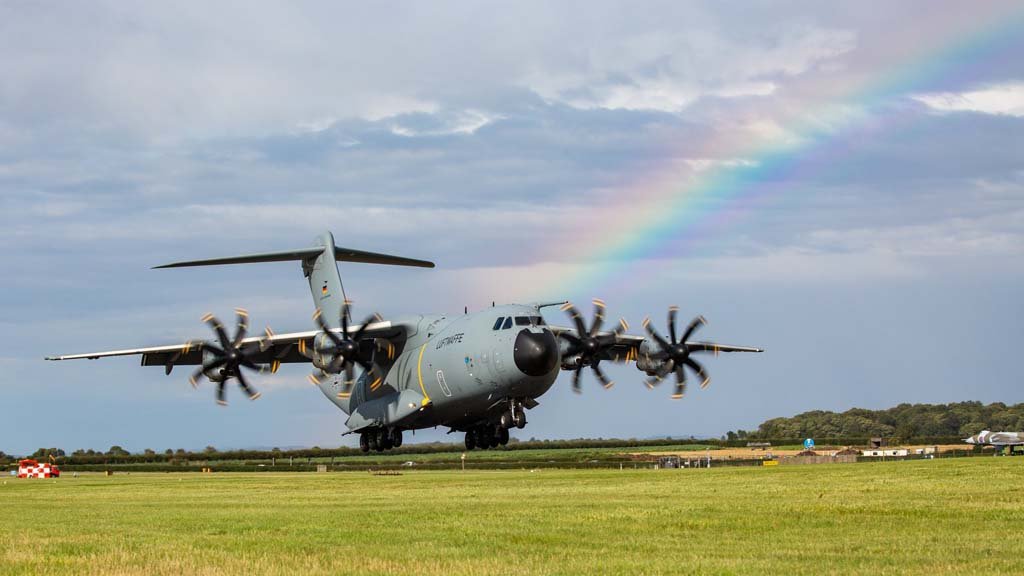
{"type": "Point", "coordinates": [809, 444]}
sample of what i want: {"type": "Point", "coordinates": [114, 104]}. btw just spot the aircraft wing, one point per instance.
{"type": "Point", "coordinates": [269, 348]}
{"type": "Point", "coordinates": [627, 346]}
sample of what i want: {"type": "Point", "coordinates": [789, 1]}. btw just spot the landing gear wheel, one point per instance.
{"type": "Point", "coordinates": [484, 438]}
{"type": "Point", "coordinates": [520, 419]}
{"type": "Point", "coordinates": [371, 441]}
{"type": "Point", "coordinates": [507, 421]}
{"type": "Point", "coordinates": [385, 439]}
{"type": "Point", "coordinates": [470, 440]}
{"type": "Point", "coordinates": [396, 437]}
{"type": "Point", "coordinates": [364, 442]}
{"type": "Point", "coordinates": [503, 436]}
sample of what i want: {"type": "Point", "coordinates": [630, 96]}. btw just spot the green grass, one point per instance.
{"type": "Point", "coordinates": [961, 516]}
{"type": "Point", "coordinates": [502, 457]}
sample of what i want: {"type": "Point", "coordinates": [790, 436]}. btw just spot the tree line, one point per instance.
{"type": "Point", "coordinates": [903, 422]}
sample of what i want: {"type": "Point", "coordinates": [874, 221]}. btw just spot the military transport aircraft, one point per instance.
{"type": "Point", "coordinates": [997, 439]}
{"type": "Point", "coordinates": [473, 372]}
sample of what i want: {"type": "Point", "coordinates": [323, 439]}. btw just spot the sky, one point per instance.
{"type": "Point", "coordinates": [841, 184]}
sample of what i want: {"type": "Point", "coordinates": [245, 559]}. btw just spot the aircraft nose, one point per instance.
{"type": "Point", "coordinates": [536, 353]}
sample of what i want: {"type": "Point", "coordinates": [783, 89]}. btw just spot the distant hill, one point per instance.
{"type": "Point", "coordinates": [961, 419]}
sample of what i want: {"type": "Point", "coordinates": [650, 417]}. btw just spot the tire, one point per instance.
{"type": "Point", "coordinates": [484, 438]}
{"type": "Point", "coordinates": [385, 439]}
{"type": "Point", "coordinates": [503, 436]}
{"type": "Point", "coordinates": [470, 440]}
{"type": "Point", "coordinates": [364, 442]}
{"type": "Point", "coordinates": [520, 419]}
{"type": "Point", "coordinates": [371, 441]}
{"type": "Point", "coordinates": [507, 421]}
{"type": "Point", "coordinates": [396, 437]}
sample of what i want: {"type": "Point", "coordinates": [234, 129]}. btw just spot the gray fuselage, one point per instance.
{"type": "Point", "coordinates": [463, 370]}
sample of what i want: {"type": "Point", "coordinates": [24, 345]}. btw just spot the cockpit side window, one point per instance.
{"type": "Point", "coordinates": [508, 323]}
{"type": "Point", "coordinates": [537, 320]}
{"type": "Point", "coordinates": [522, 321]}
{"type": "Point", "coordinates": [498, 323]}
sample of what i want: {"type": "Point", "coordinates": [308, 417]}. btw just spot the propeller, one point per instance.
{"type": "Point", "coordinates": [587, 344]}
{"type": "Point", "coordinates": [335, 353]}
{"type": "Point", "coordinates": [676, 353]}
{"type": "Point", "coordinates": [224, 362]}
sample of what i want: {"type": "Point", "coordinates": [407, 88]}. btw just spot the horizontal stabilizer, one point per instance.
{"type": "Point", "coordinates": [340, 254]}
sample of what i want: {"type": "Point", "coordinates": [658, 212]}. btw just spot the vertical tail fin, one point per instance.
{"type": "Point", "coordinates": [325, 281]}
{"type": "Point", "coordinates": [320, 265]}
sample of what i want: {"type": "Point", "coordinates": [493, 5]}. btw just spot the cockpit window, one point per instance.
{"type": "Point", "coordinates": [497, 323]}
{"type": "Point", "coordinates": [522, 321]}
{"type": "Point", "coordinates": [508, 323]}
{"type": "Point", "coordinates": [537, 320]}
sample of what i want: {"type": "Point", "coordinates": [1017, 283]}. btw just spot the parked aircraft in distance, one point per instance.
{"type": "Point", "coordinates": [997, 439]}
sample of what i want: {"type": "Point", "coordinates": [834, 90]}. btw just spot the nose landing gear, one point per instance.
{"type": "Point", "coordinates": [514, 416]}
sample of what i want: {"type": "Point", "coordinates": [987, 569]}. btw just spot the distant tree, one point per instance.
{"type": "Point", "coordinates": [169, 452]}
{"type": "Point", "coordinates": [971, 428]}
{"type": "Point", "coordinates": [148, 452]}
{"type": "Point", "coordinates": [4, 458]}
{"type": "Point", "coordinates": [46, 453]}
{"type": "Point", "coordinates": [180, 452]}
{"type": "Point", "coordinates": [730, 435]}
{"type": "Point", "coordinates": [79, 452]}
{"type": "Point", "coordinates": [117, 451]}
{"type": "Point", "coordinates": [906, 421]}
{"type": "Point", "coordinates": [275, 449]}
{"type": "Point", "coordinates": [209, 450]}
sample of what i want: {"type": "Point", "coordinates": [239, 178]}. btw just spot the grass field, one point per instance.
{"type": "Point", "coordinates": [962, 516]}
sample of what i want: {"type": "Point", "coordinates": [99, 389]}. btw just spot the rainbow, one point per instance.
{"type": "Point", "coordinates": [669, 212]}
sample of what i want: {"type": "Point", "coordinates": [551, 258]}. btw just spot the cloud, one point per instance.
{"type": "Point", "coordinates": [1002, 99]}
{"type": "Point", "coordinates": [509, 144]}
{"type": "Point", "coordinates": [669, 71]}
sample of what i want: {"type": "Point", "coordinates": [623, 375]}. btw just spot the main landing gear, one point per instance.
{"type": "Point", "coordinates": [488, 435]}
{"type": "Point", "coordinates": [380, 439]}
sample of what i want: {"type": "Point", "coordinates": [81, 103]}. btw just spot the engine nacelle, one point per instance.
{"type": "Point", "coordinates": [570, 362]}
{"type": "Point", "coordinates": [644, 361]}
{"type": "Point", "coordinates": [323, 358]}
{"type": "Point", "coordinates": [215, 374]}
